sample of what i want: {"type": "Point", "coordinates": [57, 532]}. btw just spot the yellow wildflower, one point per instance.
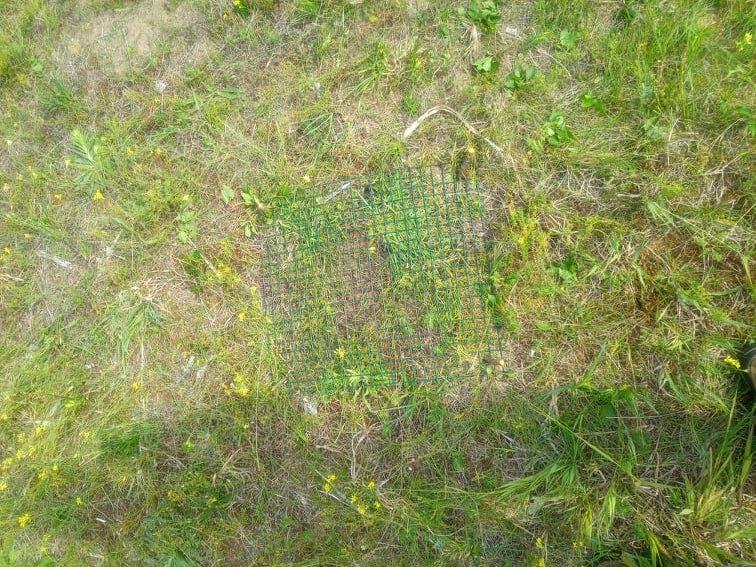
{"type": "Point", "coordinates": [305, 178]}
{"type": "Point", "coordinates": [136, 385]}
{"type": "Point", "coordinates": [328, 484]}
{"type": "Point", "coordinates": [23, 520]}
{"type": "Point", "coordinates": [98, 196]}
{"type": "Point", "coordinates": [376, 504]}
{"type": "Point", "coordinates": [746, 41]}
{"type": "Point", "coordinates": [3, 486]}
{"type": "Point", "coordinates": [79, 501]}
{"type": "Point", "coordinates": [362, 509]}
{"type": "Point", "coordinates": [58, 196]}
{"type": "Point", "coordinates": [734, 362]}
{"type": "Point", "coordinates": [7, 250]}
{"type": "Point", "coordinates": [371, 484]}
{"type": "Point", "coordinates": [353, 498]}
{"type": "Point", "coordinates": [241, 315]}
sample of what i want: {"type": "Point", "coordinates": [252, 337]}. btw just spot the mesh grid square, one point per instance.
{"type": "Point", "coordinates": [381, 281]}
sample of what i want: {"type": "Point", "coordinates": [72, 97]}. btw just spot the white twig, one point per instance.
{"type": "Point", "coordinates": [445, 109]}
{"type": "Point", "coordinates": [57, 260]}
{"type": "Point", "coordinates": [353, 468]}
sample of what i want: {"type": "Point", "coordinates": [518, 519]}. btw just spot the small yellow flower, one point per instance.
{"type": "Point", "coordinates": [328, 484]}
{"type": "Point", "coordinates": [362, 509]}
{"type": "Point", "coordinates": [353, 498]}
{"type": "Point", "coordinates": [340, 352]}
{"type": "Point", "coordinates": [54, 468]}
{"type": "Point", "coordinates": [371, 485]}
{"type": "Point", "coordinates": [241, 315]}
{"type": "Point", "coordinates": [136, 385]}
{"type": "Point", "coordinates": [539, 542]}
{"type": "Point", "coordinates": [23, 520]}
{"type": "Point", "coordinates": [243, 391]}
{"type": "Point", "coordinates": [746, 41]}
{"type": "Point", "coordinates": [238, 379]}
{"type": "Point", "coordinates": [471, 150]}
{"type": "Point", "coordinates": [376, 504]}
{"type": "Point", "coordinates": [79, 501]}
{"type": "Point", "coordinates": [186, 197]}
{"type": "Point", "coordinates": [58, 196]}
{"type": "Point", "coordinates": [98, 196]}
{"type": "Point", "coordinates": [734, 362]}
{"type": "Point", "coordinates": [7, 250]}
{"type": "Point", "coordinates": [305, 178]}
{"type": "Point", "coordinates": [3, 486]}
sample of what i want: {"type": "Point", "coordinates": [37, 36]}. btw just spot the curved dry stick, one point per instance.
{"type": "Point", "coordinates": [440, 108]}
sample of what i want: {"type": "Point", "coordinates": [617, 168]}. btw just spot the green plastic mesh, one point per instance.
{"type": "Point", "coordinates": [379, 281]}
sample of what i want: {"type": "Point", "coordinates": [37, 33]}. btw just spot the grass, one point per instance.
{"type": "Point", "coordinates": [144, 416]}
